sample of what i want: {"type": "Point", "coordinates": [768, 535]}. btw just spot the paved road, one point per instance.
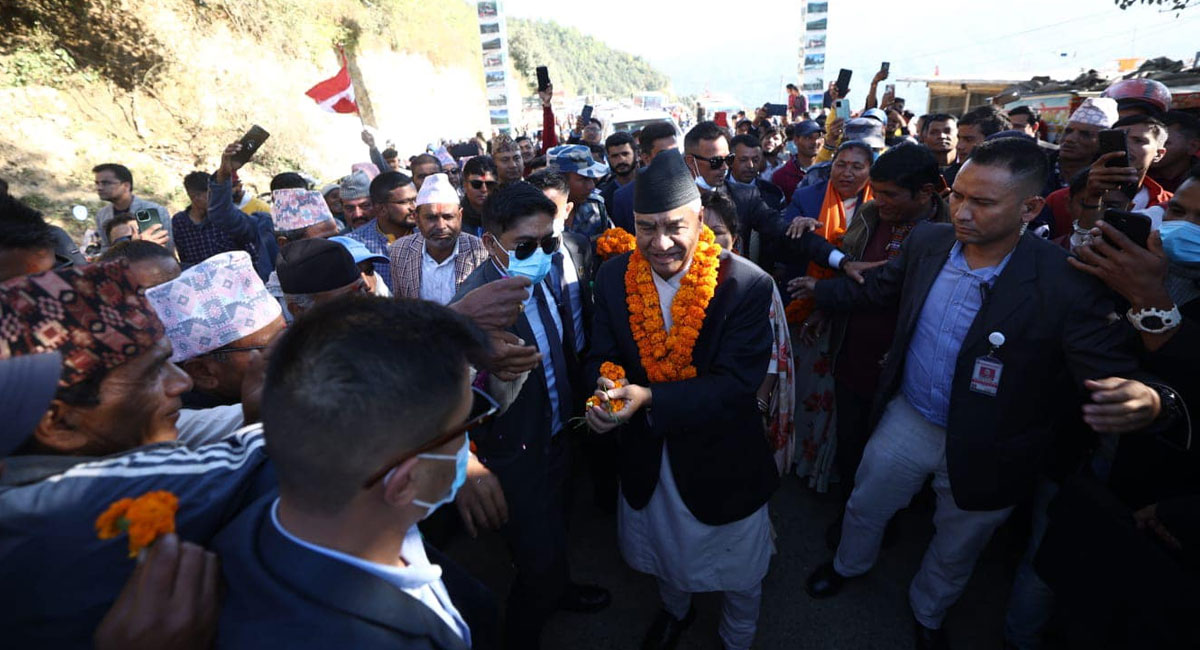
{"type": "Point", "coordinates": [871, 613]}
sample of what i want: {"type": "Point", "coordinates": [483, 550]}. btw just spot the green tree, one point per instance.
{"type": "Point", "coordinates": [578, 63]}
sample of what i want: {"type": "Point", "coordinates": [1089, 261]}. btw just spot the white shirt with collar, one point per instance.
{"type": "Point", "coordinates": [419, 579]}
{"type": "Point", "coordinates": [437, 278]}
{"type": "Point", "coordinates": [543, 342]}
{"type": "Point", "coordinates": [574, 294]}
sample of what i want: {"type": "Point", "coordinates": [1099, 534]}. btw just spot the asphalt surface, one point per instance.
{"type": "Point", "coordinates": [870, 613]}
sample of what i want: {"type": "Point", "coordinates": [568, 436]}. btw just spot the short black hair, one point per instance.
{"type": "Point", "coordinates": [196, 181]}
{"type": "Point", "coordinates": [707, 130]}
{"type": "Point", "coordinates": [386, 182]}
{"type": "Point", "coordinates": [1022, 157]}
{"type": "Point", "coordinates": [326, 427]}
{"type": "Point", "coordinates": [908, 165]}
{"type": "Point", "coordinates": [1028, 111]}
{"type": "Point", "coordinates": [288, 181]}
{"type": "Point", "coordinates": [719, 203]}
{"type": "Point", "coordinates": [1186, 122]}
{"type": "Point", "coordinates": [120, 171]}
{"type": "Point", "coordinates": [548, 179]}
{"type": "Point", "coordinates": [513, 202]}
{"type": "Point", "coordinates": [989, 119]}
{"type": "Point", "coordinates": [479, 166]}
{"type": "Point", "coordinates": [421, 160]}
{"type": "Point", "coordinates": [114, 222]}
{"type": "Point", "coordinates": [791, 87]}
{"type": "Point", "coordinates": [521, 138]}
{"type": "Point", "coordinates": [135, 250]}
{"type": "Point", "coordinates": [1154, 124]}
{"type": "Point", "coordinates": [22, 227]}
{"type": "Point", "coordinates": [599, 152]}
{"type": "Point", "coordinates": [937, 117]}
{"type": "Point", "coordinates": [746, 140]}
{"type": "Point", "coordinates": [618, 139]}
{"type": "Point", "coordinates": [390, 153]}
{"type": "Point", "coordinates": [789, 131]}
{"type": "Point", "coordinates": [596, 121]}
{"type": "Point", "coordinates": [654, 131]}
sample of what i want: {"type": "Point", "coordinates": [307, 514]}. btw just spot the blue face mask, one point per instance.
{"type": "Point", "coordinates": [535, 267]}
{"type": "Point", "coordinates": [1181, 241]}
{"type": "Point", "coordinates": [460, 475]}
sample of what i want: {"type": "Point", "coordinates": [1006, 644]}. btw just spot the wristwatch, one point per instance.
{"type": "Point", "coordinates": [1155, 321]}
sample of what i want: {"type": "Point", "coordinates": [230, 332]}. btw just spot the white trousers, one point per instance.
{"type": "Point", "coordinates": [902, 452]}
{"type": "Point", "coordinates": [739, 612]}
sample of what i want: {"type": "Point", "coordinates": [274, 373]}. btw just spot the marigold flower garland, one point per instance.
{"type": "Point", "coordinates": [667, 356]}
{"type": "Point", "coordinates": [613, 242]}
{"type": "Point", "coordinates": [145, 518]}
{"type": "Point", "coordinates": [615, 374]}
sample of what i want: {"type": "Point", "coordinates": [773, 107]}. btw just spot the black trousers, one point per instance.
{"type": "Point", "coordinates": [853, 431]}
{"type": "Point", "coordinates": [536, 533]}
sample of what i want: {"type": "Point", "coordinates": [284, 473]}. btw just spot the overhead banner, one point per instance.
{"type": "Point", "coordinates": [493, 37]}
{"type": "Point", "coordinates": [812, 51]}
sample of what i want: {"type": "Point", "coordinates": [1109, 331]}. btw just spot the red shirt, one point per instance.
{"type": "Point", "coordinates": [788, 177]}
{"type": "Point", "coordinates": [1059, 201]}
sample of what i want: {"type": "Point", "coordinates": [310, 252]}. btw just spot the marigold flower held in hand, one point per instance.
{"type": "Point", "coordinates": [615, 374]}
{"type": "Point", "coordinates": [145, 519]}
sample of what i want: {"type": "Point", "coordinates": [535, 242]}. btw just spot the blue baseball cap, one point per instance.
{"type": "Point", "coordinates": [358, 250]}
{"type": "Point", "coordinates": [575, 158]}
{"type": "Point", "coordinates": [27, 385]}
{"type": "Point", "coordinates": [876, 114]}
{"type": "Point", "coordinates": [807, 127]}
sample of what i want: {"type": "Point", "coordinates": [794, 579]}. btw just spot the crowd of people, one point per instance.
{"type": "Point", "coordinates": [256, 420]}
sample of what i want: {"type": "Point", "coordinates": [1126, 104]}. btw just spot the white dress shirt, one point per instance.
{"type": "Point", "coordinates": [419, 579]}
{"type": "Point", "coordinates": [437, 278]}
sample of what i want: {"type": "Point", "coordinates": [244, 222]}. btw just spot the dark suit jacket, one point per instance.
{"type": "Point", "coordinates": [516, 440]}
{"type": "Point", "coordinates": [281, 594]}
{"type": "Point", "coordinates": [714, 435]}
{"type": "Point", "coordinates": [1056, 322]}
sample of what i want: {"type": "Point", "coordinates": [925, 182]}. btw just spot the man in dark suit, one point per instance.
{"type": "Point", "coordinates": [336, 559]}
{"type": "Point", "coordinates": [526, 447]}
{"type": "Point", "coordinates": [994, 326]}
{"type": "Point", "coordinates": [696, 472]}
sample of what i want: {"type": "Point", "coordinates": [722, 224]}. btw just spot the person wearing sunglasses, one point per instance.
{"type": "Point", "coordinates": [478, 180]}
{"type": "Point", "coordinates": [525, 449]}
{"type": "Point", "coordinates": [336, 559]}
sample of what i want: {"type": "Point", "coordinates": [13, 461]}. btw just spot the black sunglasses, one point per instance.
{"type": "Point", "coordinates": [716, 162]}
{"type": "Point", "coordinates": [549, 244]}
{"type": "Point", "coordinates": [483, 409]}
{"type": "Point", "coordinates": [478, 184]}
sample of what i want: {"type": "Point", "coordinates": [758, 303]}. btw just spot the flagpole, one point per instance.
{"type": "Point", "coordinates": [357, 109]}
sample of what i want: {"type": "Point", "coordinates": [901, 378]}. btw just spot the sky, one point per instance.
{"type": "Point", "coordinates": [750, 49]}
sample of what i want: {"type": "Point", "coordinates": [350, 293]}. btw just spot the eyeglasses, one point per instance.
{"type": "Point", "coordinates": [716, 162]}
{"type": "Point", "coordinates": [478, 184]}
{"type": "Point", "coordinates": [483, 409]}
{"type": "Point", "coordinates": [549, 244]}
{"type": "Point", "coordinates": [223, 352]}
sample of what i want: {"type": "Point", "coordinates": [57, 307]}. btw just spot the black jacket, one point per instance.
{"type": "Point", "coordinates": [1057, 325]}
{"type": "Point", "coordinates": [281, 594]}
{"type": "Point", "coordinates": [714, 435]}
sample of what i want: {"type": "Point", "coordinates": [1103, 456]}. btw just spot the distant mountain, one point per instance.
{"type": "Point", "coordinates": [579, 64]}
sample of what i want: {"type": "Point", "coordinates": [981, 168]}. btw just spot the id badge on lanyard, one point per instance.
{"type": "Point", "coordinates": [985, 378]}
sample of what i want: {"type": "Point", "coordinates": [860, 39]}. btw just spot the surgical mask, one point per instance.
{"type": "Point", "coordinates": [1181, 241]}
{"type": "Point", "coordinates": [535, 267]}
{"type": "Point", "coordinates": [460, 475]}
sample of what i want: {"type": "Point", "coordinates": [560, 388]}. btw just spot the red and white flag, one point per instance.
{"type": "Point", "coordinates": [335, 94]}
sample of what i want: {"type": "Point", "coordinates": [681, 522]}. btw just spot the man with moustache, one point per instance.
{"type": "Point", "coordinates": [433, 263]}
{"type": "Point", "coordinates": [394, 197]}
{"type": "Point", "coordinates": [622, 160]}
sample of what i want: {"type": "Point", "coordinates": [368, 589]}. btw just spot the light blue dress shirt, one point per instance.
{"type": "Point", "coordinates": [543, 344]}
{"type": "Point", "coordinates": [951, 306]}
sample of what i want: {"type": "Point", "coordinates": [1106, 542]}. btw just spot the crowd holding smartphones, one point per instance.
{"type": "Point", "coordinates": [326, 384]}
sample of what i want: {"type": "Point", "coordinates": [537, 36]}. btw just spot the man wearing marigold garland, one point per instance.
{"type": "Point", "coordinates": [687, 322]}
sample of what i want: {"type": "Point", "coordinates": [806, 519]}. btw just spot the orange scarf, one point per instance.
{"type": "Point", "coordinates": [833, 227]}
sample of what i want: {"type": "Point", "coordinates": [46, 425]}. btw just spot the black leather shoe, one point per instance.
{"type": "Point", "coordinates": [824, 582]}
{"type": "Point", "coordinates": [928, 638]}
{"type": "Point", "coordinates": [665, 631]}
{"type": "Point", "coordinates": [584, 599]}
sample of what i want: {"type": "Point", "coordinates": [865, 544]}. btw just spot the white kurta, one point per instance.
{"type": "Point", "coordinates": [666, 540]}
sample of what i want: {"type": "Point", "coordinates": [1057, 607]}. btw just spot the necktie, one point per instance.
{"type": "Point", "coordinates": [558, 357]}
{"type": "Point", "coordinates": [566, 309]}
